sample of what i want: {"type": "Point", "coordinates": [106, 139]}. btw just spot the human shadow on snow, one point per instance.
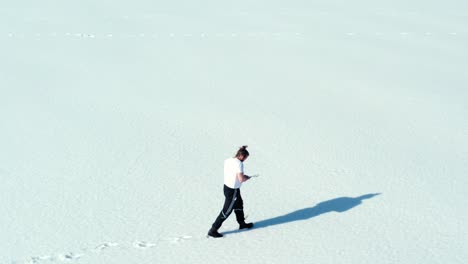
{"type": "Point", "coordinates": [340, 205]}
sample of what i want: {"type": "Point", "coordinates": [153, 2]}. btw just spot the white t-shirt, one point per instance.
{"type": "Point", "coordinates": [232, 166]}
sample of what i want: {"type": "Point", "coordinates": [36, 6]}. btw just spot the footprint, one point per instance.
{"type": "Point", "coordinates": [33, 260]}
{"type": "Point", "coordinates": [181, 238]}
{"type": "Point", "coordinates": [143, 244]}
{"type": "Point", "coordinates": [105, 246]}
{"type": "Point", "coordinates": [177, 239]}
{"type": "Point", "coordinates": [69, 256]}
{"type": "Point", "coordinates": [58, 257]}
{"type": "Point", "coordinates": [75, 256]}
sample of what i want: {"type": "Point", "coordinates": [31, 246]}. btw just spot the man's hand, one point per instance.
{"type": "Point", "coordinates": [242, 177]}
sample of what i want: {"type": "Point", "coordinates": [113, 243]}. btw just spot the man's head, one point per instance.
{"type": "Point", "coordinates": [242, 154]}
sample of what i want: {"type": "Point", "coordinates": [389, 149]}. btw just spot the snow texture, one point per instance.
{"type": "Point", "coordinates": [116, 116]}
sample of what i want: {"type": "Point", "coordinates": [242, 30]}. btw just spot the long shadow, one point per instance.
{"type": "Point", "coordinates": [340, 205]}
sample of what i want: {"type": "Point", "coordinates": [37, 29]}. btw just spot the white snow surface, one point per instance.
{"type": "Point", "coordinates": [116, 116]}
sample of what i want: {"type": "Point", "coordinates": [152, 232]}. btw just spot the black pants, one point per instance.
{"type": "Point", "coordinates": [233, 202]}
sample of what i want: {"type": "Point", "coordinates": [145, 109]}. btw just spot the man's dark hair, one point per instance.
{"type": "Point", "coordinates": [242, 152]}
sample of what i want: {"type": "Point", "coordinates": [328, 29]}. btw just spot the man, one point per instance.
{"type": "Point", "coordinates": [233, 178]}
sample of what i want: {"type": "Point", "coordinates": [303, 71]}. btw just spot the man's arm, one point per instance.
{"type": "Point", "coordinates": [242, 177]}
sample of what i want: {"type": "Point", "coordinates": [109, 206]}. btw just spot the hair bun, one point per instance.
{"type": "Point", "coordinates": [242, 152]}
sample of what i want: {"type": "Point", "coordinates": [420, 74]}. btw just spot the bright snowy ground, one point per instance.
{"type": "Point", "coordinates": [115, 119]}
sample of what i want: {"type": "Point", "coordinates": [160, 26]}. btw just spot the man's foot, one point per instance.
{"type": "Point", "coordinates": [214, 233]}
{"type": "Point", "coordinates": [246, 225]}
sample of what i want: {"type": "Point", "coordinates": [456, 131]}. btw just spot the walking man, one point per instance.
{"type": "Point", "coordinates": [233, 179]}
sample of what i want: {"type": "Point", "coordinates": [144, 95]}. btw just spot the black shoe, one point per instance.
{"type": "Point", "coordinates": [246, 225]}
{"type": "Point", "coordinates": [214, 233]}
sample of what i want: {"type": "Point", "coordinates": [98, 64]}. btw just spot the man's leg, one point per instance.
{"type": "Point", "coordinates": [229, 202]}
{"type": "Point", "coordinates": [239, 210]}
